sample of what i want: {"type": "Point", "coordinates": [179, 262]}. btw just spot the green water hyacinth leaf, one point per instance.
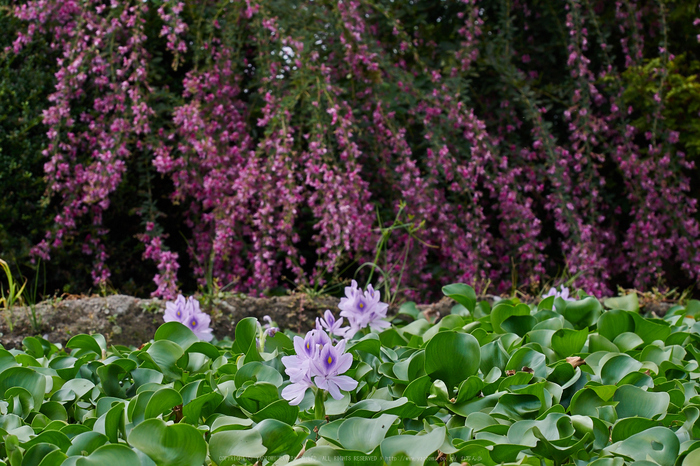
{"type": "Point", "coordinates": [370, 343]}
{"type": "Point", "coordinates": [627, 341]}
{"type": "Point", "coordinates": [176, 445]}
{"type": "Point", "coordinates": [246, 332]}
{"type": "Point", "coordinates": [628, 302]}
{"type": "Point", "coordinates": [567, 342]}
{"type": "Point", "coordinates": [615, 322]}
{"type": "Point", "coordinates": [256, 396]}
{"type": "Point", "coordinates": [635, 401]}
{"type": "Point", "coordinates": [165, 354]}
{"type": "Point", "coordinates": [257, 371]}
{"type": "Point", "coordinates": [659, 444]}
{"type": "Point", "coordinates": [26, 378]}
{"type": "Point", "coordinates": [106, 455]}
{"type": "Point", "coordinates": [463, 294]}
{"type": "Point", "coordinates": [86, 443]}
{"type": "Point", "coordinates": [617, 367]}
{"type": "Point", "coordinates": [582, 313]}
{"type": "Point", "coordinates": [162, 401]}
{"type": "Point", "coordinates": [463, 361]}
{"type": "Point", "coordinates": [282, 411]}
{"type": "Point", "coordinates": [520, 325]}
{"type": "Point", "coordinates": [493, 355]}
{"type": "Point", "coordinates": [364, 434]}
{"type": "Point", "coordinates": [83, 344]}
{"type": "Point", "coordinates": [627, 427]}
{"type": "Point", "coordinates": [412, 450]}
{"type": "Point", "coordinates": [503, 311]}
{"type": "Point", "coordinates": [34, 454]}
{"type": "Point", "coordinates": [177, 333]}
{"type": "Point", "coordinates": [236, 443]}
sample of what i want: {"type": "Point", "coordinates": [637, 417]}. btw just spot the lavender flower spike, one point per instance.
{"type": "Point", "coordinates": [332, 361]}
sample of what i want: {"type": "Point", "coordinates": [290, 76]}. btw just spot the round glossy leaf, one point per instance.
{"type": "Point", "coordinates": [280, 438]}
{"type": "Point", "coordinates": [625, 428]}
{"type": "Point", "coordinates": [177, 333]}
{"type": "Point", "coordinates": [86, 442]}
{"type": "Point", "coordinates": [246, 332]}
{"type": "Point", "coordinates": [658, 443]}
{"type": "Point", "coordinates": [282, 411]}
{"type": "Point", "coordinates": [463, 294]}
{"type": "Point", "coordinates": [364, 434]}
{"type": "Point", "coordinates": [615, 368]}
{"type": "Point", "coordinates": [567, 342]}
{"type": "Point", "coordinates": [83, 344]}
{"type": "Point", "coordinates": [55, 458]}
{"type": "Point", "coordinates": [370, 343]}
{"type": "Point", "coordinates": [635, 401]}
{"type": "Point", "coordinates": [627, 341]}
{"type": "Point", "coordinates": [255, 397]}
{"type": "Point", "coordinates": [519, 325]}
{"type": "Point", "coordinates": [414, 448]}
{"type": "Point", "coordinates": [452, 357]}
{"type": "Point", "coordinates": [34, 454]}
{"type": "Point", "coordinates": [650, 330]}
{"type": "Point", "coordinates": [175, 445]}
{"type": "Point", "coordinates": [162, 401]}
{"type": "Point", "coordinates": [628, 302]}
{"type": "Point", "coordinates": [107, 455]}
{"type": "Point", "coordinates": [165, 354]}
{"type": "Point", "coordinates": [693, 458]}
{"type": "Point", "coordinates": [613, 323]}
{"type": "Point", "coordinates": [503, 311]}
{"type": "Point", "coordinates": [493, 355]}
{"type": "Point", "coordinates": [582, 313]}
{"type": "Point", "coordinates": [238, 443]}
{"type": "Point", "coordinates": [518, 406]}
{"type": "Point", "coordinates": [259, 372]}
{"type": "Point", "coordinates": [26, 378]}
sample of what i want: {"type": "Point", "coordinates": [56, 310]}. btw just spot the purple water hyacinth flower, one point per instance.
{"type": "Point", "coordinates": [268, 326]}
{"type": "Point", "coordinates": [294, 393]}
{"type": "Point", "coordinates": [298, 366]}
{"type": "Point", "coordinates": [563, 294]}
{"type": "Point", "coordinates": [188, 313]}
{"type": "Point", "coordinates": [363, 309]}
{"type": "Point", "coordinates": [330, 325]}
{"type": "Point", "coordinates": [176, 311]}
{"type": "Point", "coordinates": [326, 369]}
{"type": "Point", "coordinates": [317, 359]}
{"type": "Point", "coordinates": [199, 324]}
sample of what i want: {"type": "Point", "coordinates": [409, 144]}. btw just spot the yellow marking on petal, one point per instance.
{"type": "Point", "coordinates": [307, 346]}
{"type": "Point", "coordinates": [330, 360]}
{"type": "Point", "coordinates": [193, 323]}
{"type": "Point", "coordinates": [362, 306]}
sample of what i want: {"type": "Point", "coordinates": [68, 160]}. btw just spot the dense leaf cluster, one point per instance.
{"type": "Point", "coordinates": [561, 382]}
